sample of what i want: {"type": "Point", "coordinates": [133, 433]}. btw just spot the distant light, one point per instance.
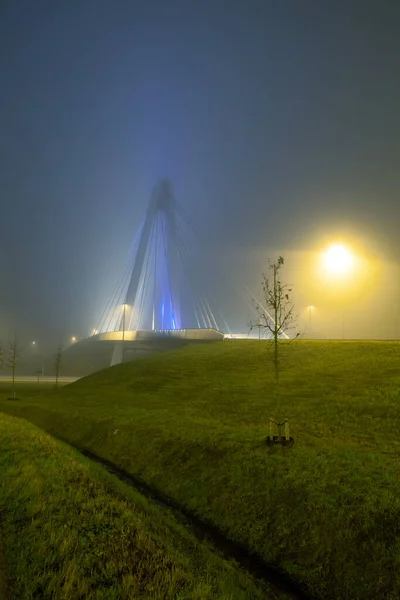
{"type": "Point", "coordinates": [73, 339]}
{"type": "Point", "coordinates": [338, 260]}
{"type": "Point", "coordinates": [33, 343]}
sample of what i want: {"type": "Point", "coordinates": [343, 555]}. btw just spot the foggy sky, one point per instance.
{"type": "Point", "coordinates": [278, 123]}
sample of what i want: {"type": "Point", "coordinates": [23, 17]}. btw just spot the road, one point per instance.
{"type": "Point", "coordinates": [34, 379]}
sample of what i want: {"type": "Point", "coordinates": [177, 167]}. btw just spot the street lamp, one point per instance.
{"type": "Point", "coordinates": [338, 262]}
{"type": "Point", "coordinates": [310, 309]}
{"type": "Point", "coordinates": [123, 323]}
{"type": "Point", "coordinates": [73, 339]}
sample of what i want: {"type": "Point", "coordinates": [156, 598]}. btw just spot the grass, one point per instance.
{"type": "Point", "coordinates": [72, 531]}
{"type": "Point", "coordinates": [4, 576]}
{"type": "Point", "coordinates": [192, 423]}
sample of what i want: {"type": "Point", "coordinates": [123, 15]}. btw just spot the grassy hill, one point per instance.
{"type": "Point", "coordinates": [71, 531]}
{"type": "Point", "coordinates": [192, 423]}
{"type": "Point", "coordinates": [4, 575]}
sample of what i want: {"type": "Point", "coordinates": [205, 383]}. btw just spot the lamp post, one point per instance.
{"type": "Point", "coordinates": [339, 262]}
{"type": "Point", "coordinates": [123, 323]}
{"type": "Point", "coordinates": [310, 309]}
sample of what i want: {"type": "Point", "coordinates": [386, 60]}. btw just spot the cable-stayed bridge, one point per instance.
{"type": "Point", "coordinates": [164, 295]}
{"type": "Point", "coordinates": [160, 290]}
{"type": "Point", "coordinates": [161, 293]}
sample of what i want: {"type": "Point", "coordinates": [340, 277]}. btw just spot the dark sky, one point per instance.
{"type": "Point", "coordinates": [273, 119]}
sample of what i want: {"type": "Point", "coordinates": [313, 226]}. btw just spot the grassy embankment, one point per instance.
{"type": "Point", "coordinates": [192, 424]}
{"type": "Point", "coordinates": [4, 576]}
{"type": "Point", "coordinates": [72, 531]}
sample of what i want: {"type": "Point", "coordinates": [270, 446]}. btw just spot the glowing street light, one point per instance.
{"type": "Point", "coordinates": [73, 339]}
{"type": "Point", "coordinates": [338, 263]}
{"type": "Point", "coordinates": [310, 309]}
{"type": "Point", "coordinates": [34, 343]}
{"type": "Point", "coordinates": [123, 322]}
{"type": "Point", "coordinates": [338, 260]}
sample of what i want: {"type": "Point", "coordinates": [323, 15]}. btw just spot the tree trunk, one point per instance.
{"type": "Point", "coordinates": [13, 379]}
{"type": "Point", "coordinates": [276, 329]}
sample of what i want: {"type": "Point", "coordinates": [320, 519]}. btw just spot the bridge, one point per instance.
{"type": "Point", "coordinates": [159, 291]}
{"type": "Point", "coordinates": [161, 299]}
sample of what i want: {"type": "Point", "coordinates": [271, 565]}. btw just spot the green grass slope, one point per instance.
{"type": "Point", "coordinates": [4, 577]}
{"type": "Point", "coordinates": [72, 531]}
{"type": "Point", "coordinates": [192, 423]}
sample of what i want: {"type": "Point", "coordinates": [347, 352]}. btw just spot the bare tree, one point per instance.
{"type": "Point", "coordinates": [13, 356]}
{"type": "Point", "coordinates": [57, 362]}
{"type": "Point", "coordinates": [277, 316]}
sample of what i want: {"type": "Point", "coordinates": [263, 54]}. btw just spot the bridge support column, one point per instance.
{"type": "Point", "coordinates": [118, 354]}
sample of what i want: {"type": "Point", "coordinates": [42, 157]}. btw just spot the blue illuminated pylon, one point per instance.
{"type": "Point", "coordinates": [157, 259]}
{"type": "Point", "coordinates": [161, 288]}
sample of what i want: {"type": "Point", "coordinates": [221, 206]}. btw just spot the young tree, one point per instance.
{"type": "Point", "coordinates": [277, 317]}
{"type": "Point", "coordinates": [57, 363]}
{"type": "Point", "coordinates": [13, 356]}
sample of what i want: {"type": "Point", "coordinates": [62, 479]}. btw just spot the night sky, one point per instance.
{"type": "Point", "coordinates": [278, 123]}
